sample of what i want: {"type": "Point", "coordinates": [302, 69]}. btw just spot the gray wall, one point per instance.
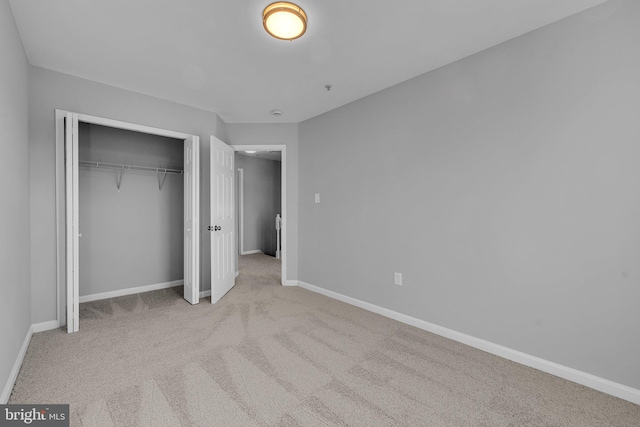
{"type": "Point", "coordinates": [277, 134]}
{"type": "Point", "coordinates": [261, 195]}
{"type": "Point", "coordinates": [49, 90]}
{"type": "Point", "coordinates": [15, 307]}
{"type": "Point", "coordinates": [133, 236]}
{"type": "Point", "coordinates": [504, 187]}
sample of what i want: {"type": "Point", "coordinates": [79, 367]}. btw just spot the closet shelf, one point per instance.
{"type": "Point", "coordinates": [127, 167]}
{"type": "Point", "coordinates": [162, 172]}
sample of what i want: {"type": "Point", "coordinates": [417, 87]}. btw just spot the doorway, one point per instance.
{"type": "Point", "coordinates": [67, 213]}
{"type": "Point", "coordinates": [281, 150]}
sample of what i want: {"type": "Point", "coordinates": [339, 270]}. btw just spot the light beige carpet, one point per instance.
{"type": "Point", "coordinates": [267, 355]}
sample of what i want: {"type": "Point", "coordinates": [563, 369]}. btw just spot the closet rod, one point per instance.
{"type": "Point", "coordinates": [128, 167]}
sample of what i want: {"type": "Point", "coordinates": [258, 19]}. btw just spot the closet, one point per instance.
{"type": "Point", "coordinates": [131, 211]}
{"type": "Point", "coordinates": [131, 182]}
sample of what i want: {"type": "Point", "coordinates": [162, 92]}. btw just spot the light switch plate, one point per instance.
{"type": "Point", "coordinates": [397, 278]}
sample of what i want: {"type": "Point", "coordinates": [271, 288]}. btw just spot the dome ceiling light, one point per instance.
{"type": "Point", "coordinates": [284, 20]}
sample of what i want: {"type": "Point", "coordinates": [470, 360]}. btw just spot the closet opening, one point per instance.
{"type": "Point", "coordinates": [130, 199]}
{"type": "Point", "coordinates": [128, 211]}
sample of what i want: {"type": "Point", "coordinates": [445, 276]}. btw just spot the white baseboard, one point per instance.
{"type": "Point", "coordinates": [606, 386]}
{"type": "Point", "coordinates": [255, 251]}
{"type": "Point", "coordinates": [45, 326]}
{"type": "Point", "coordinates": [13, 375]}
{"type": "Point", "coordinates": [291, 283]}
{"type": "Point", "coordinates": [130, 291]}
{"type": "Point", "coordinates": [237, 273]}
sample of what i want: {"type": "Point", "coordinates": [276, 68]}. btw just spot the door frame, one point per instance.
{"type": "Point", "coordinates": [61, 200]}
{"type": "Point", "coordinates": [283, 199]}
{"type": "Point", "coordinates": [241, 212]}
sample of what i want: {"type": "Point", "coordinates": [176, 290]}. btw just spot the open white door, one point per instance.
{"type": "Point", "coordinates": [222, 223]}
{"type": "Point", "coordinates": [191, 226]}
{"type": "Point", "coordinates": [72, 216]}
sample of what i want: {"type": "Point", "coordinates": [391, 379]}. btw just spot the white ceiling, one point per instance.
{"type": "Point", "coordinates": [215, 55]}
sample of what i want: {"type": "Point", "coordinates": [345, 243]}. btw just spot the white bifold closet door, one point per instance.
{"type": "Point", "coordinates": [72, 216]}
{"type": "Point", "coordinates": [222, 225]}
{"type": "Point", "coordinates": [191, 226]}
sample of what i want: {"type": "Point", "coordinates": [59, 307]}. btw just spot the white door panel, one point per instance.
{"type": "Point", "coordinates": [222, 219]}
{"type": "Point", "coordinates": [191, 226]}
{"type": "Point", "coordinates": [72, 217]}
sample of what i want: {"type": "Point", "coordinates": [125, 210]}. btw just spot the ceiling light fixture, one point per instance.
{"type": "Point", "coordinates": [251, 152]}
{"type": "Point", "coordinates": [284, 20]}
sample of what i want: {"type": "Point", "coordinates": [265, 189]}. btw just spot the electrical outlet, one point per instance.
{"type": "Point", "coordinates": [397, 279]}
{"type": "Point", "coordinates": [317, 197]}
